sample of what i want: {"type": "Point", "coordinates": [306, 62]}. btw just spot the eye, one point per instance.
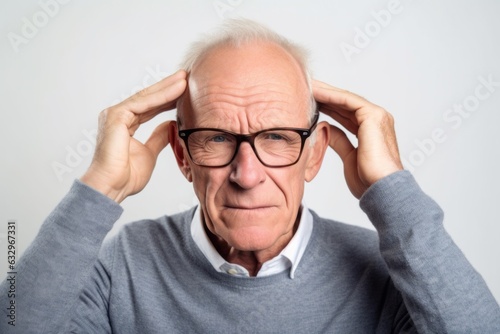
{"type": "Point", "coordinates": [274, 136]}
{"type": "Point", "coordinates": [218, 139]}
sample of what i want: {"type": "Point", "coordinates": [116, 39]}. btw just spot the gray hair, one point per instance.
{"type": "Point", "coordinates": [238, 32]}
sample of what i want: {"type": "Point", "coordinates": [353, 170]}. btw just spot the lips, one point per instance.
{"type": "Point", "coordinates": [248, 207]}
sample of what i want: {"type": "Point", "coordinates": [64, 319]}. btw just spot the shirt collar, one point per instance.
{"type": "Point", "coordinates": [288, 258]}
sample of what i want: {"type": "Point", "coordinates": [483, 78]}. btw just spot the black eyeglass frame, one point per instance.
{"type": "Point", "coordinates": [250, 138]}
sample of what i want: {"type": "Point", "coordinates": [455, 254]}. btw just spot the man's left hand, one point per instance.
{"type": "Point", "coordinates": [377, 153]}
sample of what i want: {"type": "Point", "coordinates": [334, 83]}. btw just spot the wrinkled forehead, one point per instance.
{"type": "Point", "coordinates": [260, 82]}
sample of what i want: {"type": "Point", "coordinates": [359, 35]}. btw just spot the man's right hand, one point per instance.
{"type": "Point", "coordinates": [122, 166]}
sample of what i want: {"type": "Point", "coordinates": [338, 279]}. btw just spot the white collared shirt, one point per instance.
{"type": "Point", "coordinates": [288, 258]}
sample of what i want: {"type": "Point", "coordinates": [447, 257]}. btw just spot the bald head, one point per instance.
{"type": "Point", "coordinates": [258, 79]}
{"type": "Point", "coordinates": [241, 55]}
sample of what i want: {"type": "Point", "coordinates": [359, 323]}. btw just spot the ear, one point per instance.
{"type": "Point", "coordinates": [317, 151]}
{"type": "Point", "coordinates": [179, 151]}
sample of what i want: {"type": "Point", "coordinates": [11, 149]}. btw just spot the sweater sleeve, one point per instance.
{"type": "Point", "coordinates": [51, 273]}
{"type": "Point", "coordinates": [441, 290]}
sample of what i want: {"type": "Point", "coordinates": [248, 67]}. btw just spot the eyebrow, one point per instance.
{"type": "Point", "coordinates": [308, 127]}
{"type": "Point", "coordinates": [224, 121]}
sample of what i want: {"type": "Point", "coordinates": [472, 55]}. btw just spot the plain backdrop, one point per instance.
{"type": "Point", "coordinates": [433, 64]}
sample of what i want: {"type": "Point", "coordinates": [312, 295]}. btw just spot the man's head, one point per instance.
{"type": "Point", "coordinates": [246, 80]}
{"type": "Point", "coordinates": [239, 33]}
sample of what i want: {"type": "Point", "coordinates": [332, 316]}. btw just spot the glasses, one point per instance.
{"type": "Point", "coordinates": [276, 147]}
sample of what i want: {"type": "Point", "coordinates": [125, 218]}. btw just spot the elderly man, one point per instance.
{"type": "Point", "coordinates": [251, 257]}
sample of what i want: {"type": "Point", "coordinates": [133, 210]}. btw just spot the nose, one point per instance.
{"type": "Point", "coordinates": [247, 171]}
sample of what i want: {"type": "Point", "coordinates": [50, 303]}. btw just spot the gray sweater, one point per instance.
{"type": "Point", "coordinates": [152, 278]}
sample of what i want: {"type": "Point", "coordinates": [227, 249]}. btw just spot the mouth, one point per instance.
{"type": "Point", "coordinates": [245, 207]}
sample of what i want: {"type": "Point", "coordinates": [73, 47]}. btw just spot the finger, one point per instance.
{"type": "Point", "coordinates": [164, 83]}
{"type": "Point", "coordinates": [337, 98]}
{"type": "Point", "coordinates": [151, 103]}
{"type": "Point", "coordinates": [158, 139]}
{"type": "Point", "coordinates": [321, 84]}
{"type": "Point", "coordinates": [140, 109]}
{"type": "Point", "coordinates": [344, 113]}
{"type": "Point", "coordinates": [340, 143]}
{"type": "Point", "coordinates": [156, 98]}
{"type": "Point", "coordinates": [324, 85]}
{"type": "Point", "coordinates": [347, 122]}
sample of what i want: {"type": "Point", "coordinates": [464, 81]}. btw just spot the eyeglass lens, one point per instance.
{"type": "Point", "coordinates": [217, 148]}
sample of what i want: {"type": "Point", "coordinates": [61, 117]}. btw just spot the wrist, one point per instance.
{"type": "Point", "coordinates": [96, 182]}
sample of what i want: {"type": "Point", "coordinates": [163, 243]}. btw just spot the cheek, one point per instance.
{"type": "Point", "coordinates": [207, 182]}
{"type": "Point", "coordinates": [290, 183]}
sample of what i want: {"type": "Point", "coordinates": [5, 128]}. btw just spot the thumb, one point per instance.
{"type": "Point", "coordinates": [348, 153]}
{"type": "Point", "coordinates": [158, 139]}
{"type": "Point", "coordinates": [340, 143]}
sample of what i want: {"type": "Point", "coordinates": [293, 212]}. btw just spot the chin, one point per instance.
{"type": "Point", "coordinates": [252, 239]}
{"type": "Point", "coordinates": [252, 230]}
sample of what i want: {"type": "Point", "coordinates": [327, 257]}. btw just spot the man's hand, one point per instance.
{"type": "Point", "coordinates": [377, 153]}
{"type": "Point", "coordinates": [122, 165]}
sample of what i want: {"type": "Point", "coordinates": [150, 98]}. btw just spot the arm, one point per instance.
{"type": "Point", "coordinates": [52, 271]}
{"type": "Point", "coordinates": [441, 290]}
{"type": "Point", "coordinates": [54, 268]}
{"type": "Point", "coordinates": [437, 283]}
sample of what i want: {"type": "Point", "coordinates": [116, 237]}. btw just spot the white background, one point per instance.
{"type": "Point", "coordinates": [60, 65]}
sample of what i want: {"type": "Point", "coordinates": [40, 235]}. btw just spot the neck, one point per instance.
{"type": "Point", "coordinates": [251, 260]}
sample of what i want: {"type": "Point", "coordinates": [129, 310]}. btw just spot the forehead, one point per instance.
{"type": "Point", "coordinates": [245, 88]}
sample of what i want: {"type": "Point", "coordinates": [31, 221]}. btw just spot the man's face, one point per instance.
{"type": "Point", "coordinates": [244, 90]}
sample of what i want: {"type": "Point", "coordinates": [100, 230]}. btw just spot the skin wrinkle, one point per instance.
{"type": "Point", "coordinates": [228, 101]}
{"type": "Point", "coordinates": [250, 211]}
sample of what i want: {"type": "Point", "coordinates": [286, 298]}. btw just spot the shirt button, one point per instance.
{"type": "Point", "coordinates": [232, 271]}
